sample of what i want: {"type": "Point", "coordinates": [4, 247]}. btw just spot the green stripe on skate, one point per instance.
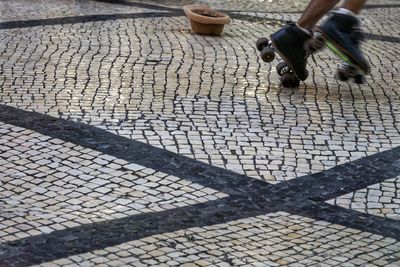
{"type": "Point", "coordinates": [343, 57]}
{"type": "Point", "coordinates": [338, 53]}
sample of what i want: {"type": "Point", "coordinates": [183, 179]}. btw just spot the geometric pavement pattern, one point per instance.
{"type": "Point", "coordinates": [128, 140]}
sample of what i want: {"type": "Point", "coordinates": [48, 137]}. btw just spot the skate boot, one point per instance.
{"type": "Point", "coordinates": [341, 33]}
{"type": "Point", "coordinates": [288, 42]}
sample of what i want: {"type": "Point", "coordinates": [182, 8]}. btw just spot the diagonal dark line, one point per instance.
{"type": "Point", "coordinates": [132, 151]}
{"type": "Point", "coordinates": [82, 19]}
{"type": "Point", "coordinates": [382, 38]}
{"type": "Point", "coordinates": [141, 5]}
{"type": "Point", "coordinates": [353, 219]}
{"type": "Point", "coordinates": [85, 238]}
{"type": "Point", "coordinates": [344, 178]}
{"type": "Point", "coordinates": [381, 6]}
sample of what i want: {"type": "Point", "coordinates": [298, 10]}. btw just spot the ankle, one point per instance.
{"type": "Point", "coordinates": [305, 30]}
{"type": "Point", "coordinates": [345, 11]}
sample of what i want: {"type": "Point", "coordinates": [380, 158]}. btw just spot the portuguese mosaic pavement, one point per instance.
{"type": "Point", "coordinates": [127, 140]}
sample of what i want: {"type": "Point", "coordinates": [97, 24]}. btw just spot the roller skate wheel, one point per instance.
{"type": "Point", "coordinates": [342, 75]}
{"type": "Point", "coordinates": [289, 80]}
{"type": "Point", "coordinates": [307, 73]}
{"type": "Point", "coordinates": [261, 43]}
{"type": "Point", "coordinates": [267, 54]}
{"type": "Point", "coordinates": [359, 79]}
{"type": "Point", "coordinates": [281, 68]}
{"type": "Point", "coordinates": [350, 70]}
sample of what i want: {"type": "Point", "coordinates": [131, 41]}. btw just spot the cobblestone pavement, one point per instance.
{"type": "Point", "coordinates": [127, 140]}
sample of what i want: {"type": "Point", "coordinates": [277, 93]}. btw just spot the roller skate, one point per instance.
{"type": "Point", "coordinates": [341, 33]}
{"type": "Point", "coordinates": [288, 42]}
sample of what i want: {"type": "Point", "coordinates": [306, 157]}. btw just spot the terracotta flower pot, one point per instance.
{"type": "Point", "coordinates": [205, 20]}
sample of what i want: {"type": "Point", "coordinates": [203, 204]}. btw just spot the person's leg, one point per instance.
{"type": "Point", "coordinates": [315, 10]}
{"type": "Point", "coordinates": [354, 6]}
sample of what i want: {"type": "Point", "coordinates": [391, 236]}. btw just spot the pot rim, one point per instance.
{"type": "Point", "coordinates": [221, 19]}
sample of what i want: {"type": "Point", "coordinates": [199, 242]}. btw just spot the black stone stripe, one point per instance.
{"type": "Point", "coordinates": [132, 151]}
{"type": "Point", "coordinates": [381, 6]}
{"type": "Point", "coordinates": [85, 238]}
{"type": "Point", "coordinates": [345, 178]}
{"type": "Point", "coordinates": [353, 219]}
{"type": "Point", "coordinates": [140, 5]}
{"type": "Point", "coordinates": [382, 38]}
{"type": "Point", "coordinates": [82, 19]}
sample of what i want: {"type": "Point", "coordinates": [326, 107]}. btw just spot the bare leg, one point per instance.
{"type": "Point", "coordinates": [354, 5]}
{"type": "Point", "coordinates": [315, 10]}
